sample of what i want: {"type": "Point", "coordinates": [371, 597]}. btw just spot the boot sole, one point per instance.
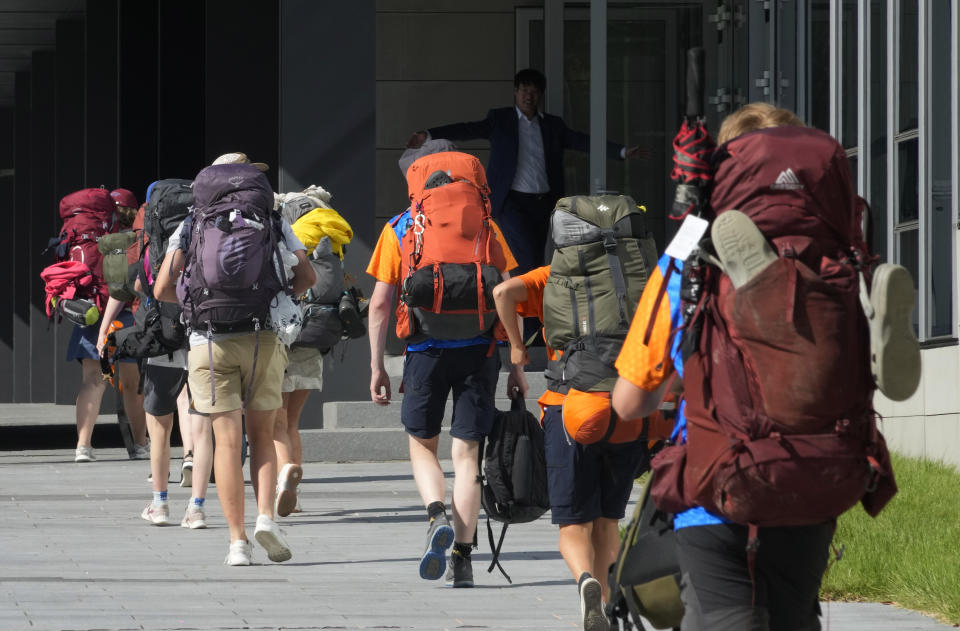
{"type": "Point", "coordinates": [433, 564]}
{"type": "Point", "coordinates": [186, 477]}
{"type": "Point", "coordinates": [894, 350]}
{"type": "Point", "coordinates": [741, 246]}
{"type": "Point", "coordinates": [287, 497]}
{"type": "Point", "coordinates": [277, 551]}
{"type": "Point", "coordinates": [593, 617]}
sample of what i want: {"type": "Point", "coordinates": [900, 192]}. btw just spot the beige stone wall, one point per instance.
{"type": "Point", "coordinates": [438, 62]}
{"type": "Point", "coordinates": [928, 423]}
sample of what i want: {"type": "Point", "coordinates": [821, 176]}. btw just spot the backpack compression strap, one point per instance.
{"type": "Point", "coordinates": [616, 270]}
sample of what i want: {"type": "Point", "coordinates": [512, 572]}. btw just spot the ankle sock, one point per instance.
{"type": "Point", "coordinates": [582, 578]}
{"type": "Point", "coordinates": [197, 501]}
{"type": "Point", "coordinates": [159, 498]}
{"type": "Point", "coordinates": [463, 549]}
{"type": "Point", "coordinates": [436, 508]}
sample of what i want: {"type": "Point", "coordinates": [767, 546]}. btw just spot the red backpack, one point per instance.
{"type": "Point", "coordinates": [450, 255]}
{"type": "Point", "coordinates": [87, 215]}
{"type": "Point", "coordinates": [780, 422]}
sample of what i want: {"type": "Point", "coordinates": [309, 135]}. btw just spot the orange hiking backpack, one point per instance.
{"type": "Point", "coordinates": [450, 254]}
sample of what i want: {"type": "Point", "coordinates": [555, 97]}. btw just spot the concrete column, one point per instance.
{"type": "Point", "coordinates": [137, 95]}
{"type": "Point", "coordinates": [20, 244]}
{"type": "Point", "coordinates": [8, 208]}
{"type": "Point", "coordinates": [327, 137]}
{"type": "Point", "coordinates": [101, 93]}
{"type": "Point", "coordinates": [69, 159]}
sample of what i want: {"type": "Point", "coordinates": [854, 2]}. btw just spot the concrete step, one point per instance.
{"type": "Point", "coordinates": [362, 445]}
{"type": "Point", "coordinates": [367, 414]}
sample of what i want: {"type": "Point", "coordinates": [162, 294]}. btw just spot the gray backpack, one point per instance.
{"type": "Point", "coordinates": [602, 258]}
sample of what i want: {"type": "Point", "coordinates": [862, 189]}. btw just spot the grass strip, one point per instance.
{"type": "Point", "coordinates": [910, 554]}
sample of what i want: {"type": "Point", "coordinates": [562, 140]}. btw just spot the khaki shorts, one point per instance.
{"type": "Point", "coordinates": [233, 368]}
{"type": "Point", "coordinates": [304, 370]}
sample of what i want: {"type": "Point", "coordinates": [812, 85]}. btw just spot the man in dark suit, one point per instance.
{"type": "Point", "coordinates": [525, 171]}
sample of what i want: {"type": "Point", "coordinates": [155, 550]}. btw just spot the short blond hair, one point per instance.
{"type": "Point", "coordinates": [753, 116]}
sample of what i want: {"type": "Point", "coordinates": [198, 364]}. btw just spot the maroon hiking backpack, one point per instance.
{"type": "Point", "coordinates": [779, 397]}
{"type": "Point", "coordinates": [87, 215]}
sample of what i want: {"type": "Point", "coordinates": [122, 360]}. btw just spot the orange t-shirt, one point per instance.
{"type": "Point", "coordinates": [386, 264]}
{"type": "Point", "coordinates": [534, 282]}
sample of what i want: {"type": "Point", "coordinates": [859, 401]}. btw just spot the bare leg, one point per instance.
{"type": "Point", "coordinates": [226, 460]}
{"type": "Point", "coordinates": [576, 547]}
{"type": "Point", "coordinates": [298, 399]}
{"type": "Point", "coordinates": [203, 453]}
{"type": "Point", "coordinates": [426, 469]}
{"type": "Point", "coordinates": [88, 400]}
{"type": "Point", "coordinates": [186, 420]}
{"type": "Point", "coordinates": [160, 428]}
{"type": "Point", "coordinates": [606, 546]}
{"type": "Point", "coordinates": [263, 458]}
{"type": "Point", "coordinates": [281, 437]}
{"type": "Point", "coordinates": [466, 489]}
{"type": "Point", "coordinates": [133, 402]}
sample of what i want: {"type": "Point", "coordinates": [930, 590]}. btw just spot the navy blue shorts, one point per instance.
{"type": "Point", "coordinates": [83, 340]}
{"type": "Point", "coordinates": [586, 482]}
{"type": "Point", "coordinates": [428, 378]}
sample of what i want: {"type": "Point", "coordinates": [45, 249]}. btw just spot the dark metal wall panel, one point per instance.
{"type": "Point", "coordinates": [331, 142]}
{"type": "Point", "coordinates": [8, 210]}
{"type": "Point", "coordinates": [101, 109]}
{"type": "Point", "coordinates": [181, 98]}
{"type": "Point", "coordinates": [21, 246]}
{"type": "Point", "coordinates": [69, 173]}
{"type": "Point", "coordinates": [44, 218]}
{"type": "Point", "coordinates": [137, 68]}
{"type": "Point", "coordinates": [242, 86]}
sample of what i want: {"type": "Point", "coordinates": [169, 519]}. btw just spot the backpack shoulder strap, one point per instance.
{"type": "Point", "coordinates": [495, 550]}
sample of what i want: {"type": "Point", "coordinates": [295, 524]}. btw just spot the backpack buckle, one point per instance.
{"type": "Point", "coordinates": [609, 241]}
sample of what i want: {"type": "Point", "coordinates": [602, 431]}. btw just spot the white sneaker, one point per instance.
{"type": "Point", "coordinates": [157, 515]}
{"type": "Point", "coordinates": [194, 518]}
{"type": "Point", "coordinates": [186, 472]}
{"type": "Point", "coordinates": [141, 452]}
{"type": "Point", "coordinates": [591, 606]}
{"type": "Point", "coordinates": [84, 454]}
{"type": "Point", "coordinates": [269, 536]}
{"type": "Point", "coordinates": [240, 552]}
{"type": "Point", "coordinates": [287, 482]}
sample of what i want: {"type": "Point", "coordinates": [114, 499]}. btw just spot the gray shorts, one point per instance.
{"type": "Point", "coordinates": [161, 387]}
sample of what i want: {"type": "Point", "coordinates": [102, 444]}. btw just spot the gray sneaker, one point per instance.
{"type": "Point", "coordinates": [84, 454]}
{"type": "Point", "coordinates": [591, 606]}
{"type": "Point", "coordinates": [439, 538]}
{"type": "Point", "coordinates": [894, 350]}
{"type": "Point", "coordinates": [460, 570]}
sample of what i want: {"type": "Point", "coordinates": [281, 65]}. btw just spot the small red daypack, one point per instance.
{"type": "Point", "coordinates": [69, 280]}
{"type": "Point", "coordinates": [781, 429]}
{"type": "Point", "coordinates": [450, 255]}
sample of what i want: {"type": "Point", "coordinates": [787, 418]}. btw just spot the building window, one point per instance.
{"type": "Point", "coordinates": [900, 130]}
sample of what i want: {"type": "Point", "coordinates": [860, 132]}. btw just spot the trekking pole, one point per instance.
{"type": "Point", "coordinates": [692, 146]}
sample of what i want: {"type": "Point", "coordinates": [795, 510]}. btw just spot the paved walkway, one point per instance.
{"type": "Point", "coordinates": [74, 554]}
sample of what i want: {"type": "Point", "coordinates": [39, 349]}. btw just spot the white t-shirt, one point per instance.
{"type": "Point", "coordinates": [290, 240]}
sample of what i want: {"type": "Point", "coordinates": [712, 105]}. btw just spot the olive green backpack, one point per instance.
{"type": "Point", "coordinates": [645, 578]}
{"type": "Point", "coordinates": [116, 265]}
{"type": "Point", "coordinates": [603, 255]}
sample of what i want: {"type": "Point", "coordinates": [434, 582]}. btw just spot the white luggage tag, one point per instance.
{"type": "Point", "coordinates": [687, 238]}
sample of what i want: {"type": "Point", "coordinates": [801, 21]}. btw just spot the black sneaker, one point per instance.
{"type": "Point", "coordinates": [439, 538]}
{"type": "Point", "coordinates": [460, 570]}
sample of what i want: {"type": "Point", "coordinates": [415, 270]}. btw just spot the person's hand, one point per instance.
{"type": "Point", "coordinates": [517, 383]}
{"type": "Point", "coordinates": [417, 140]}
{"type": "Point", "coordinates": [636, 152]}
{"type": "Point", "coordinates": [101, 342]}
{"type": "Point", "coordinates": [380, 387]}
{"type": "Point", "coordinates": [519, 355]}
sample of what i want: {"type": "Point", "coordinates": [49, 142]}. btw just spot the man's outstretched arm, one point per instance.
{"type": "Point", "coordinates": [456, 131]}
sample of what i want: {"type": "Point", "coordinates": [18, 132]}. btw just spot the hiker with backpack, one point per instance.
{"type": "Point", "coordinates": [158, 342]}
{"type": "Point", "coordinates": [442, 257]}
{"type": "Point", "coordinates": [324, 233]}
{"type": "Point", "coordinates": [75, 287]}
{"type": "Point", "coordinates": [585, 298]}
{"type": "Point", "coordinates": [225, 270]}
{"type": "Point", "coordinates": [762, 323]}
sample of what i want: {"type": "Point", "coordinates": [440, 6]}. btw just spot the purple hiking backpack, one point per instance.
{"type": "Point", "coordinates": [232, 270]}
